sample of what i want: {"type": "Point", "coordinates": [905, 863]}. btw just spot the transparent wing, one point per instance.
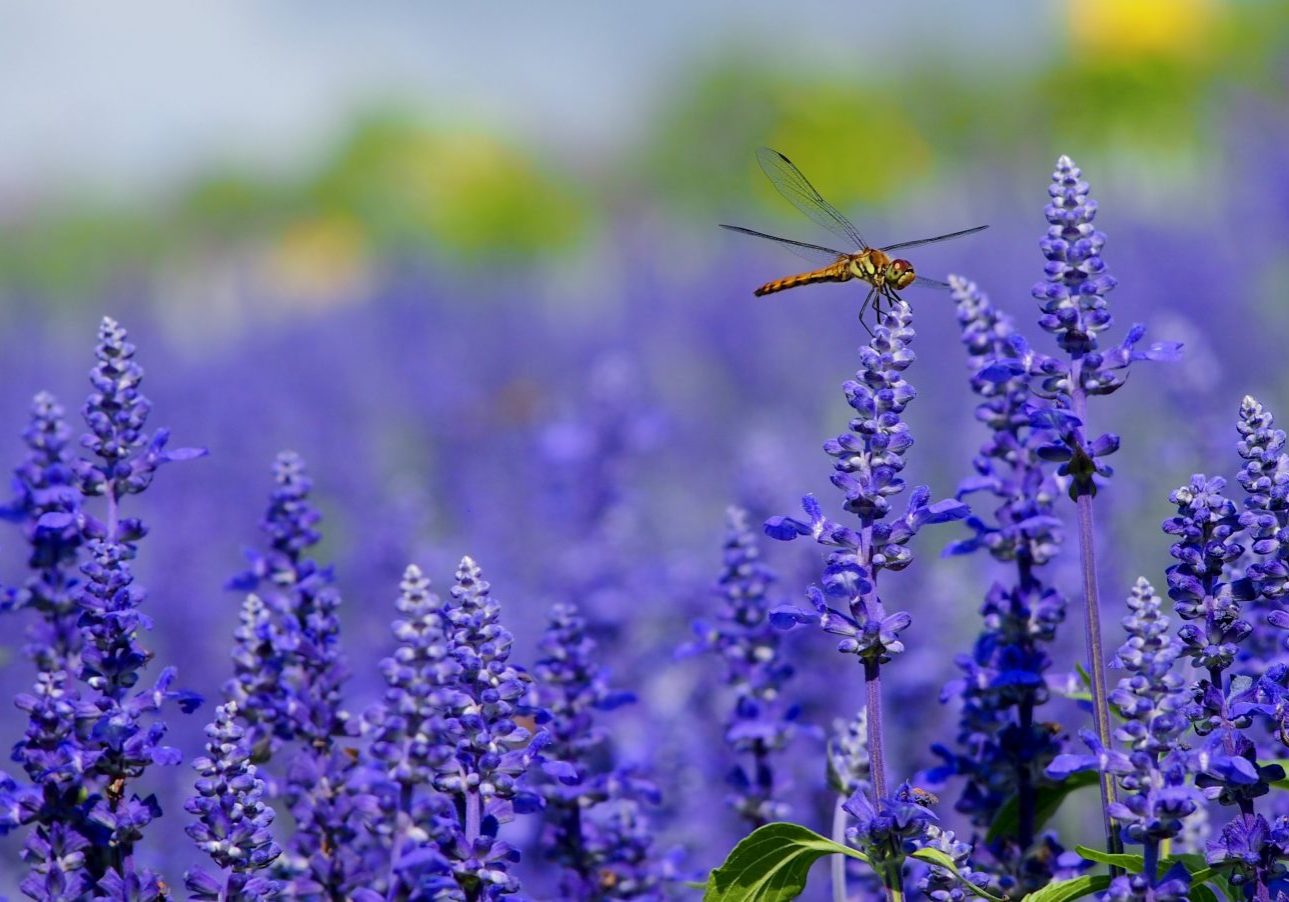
{"type": "Point", "coordinates": [815, 253]}
{"type": "Point", "coordinates": [924, 282]}
{"type": "Point", "coordinates": [796, 188]}
{"type": "Point", "coordinates": [918, 242]}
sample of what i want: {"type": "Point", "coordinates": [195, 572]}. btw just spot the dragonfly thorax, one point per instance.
{"type": "Point", "coordinates": [879, 270]}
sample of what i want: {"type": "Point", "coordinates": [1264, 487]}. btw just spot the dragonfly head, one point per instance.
{"type": "Point", "coordinates": [899, 274]}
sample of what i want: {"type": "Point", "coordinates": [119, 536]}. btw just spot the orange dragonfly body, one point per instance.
{"type": "Point", "coordinates": [885, 274]}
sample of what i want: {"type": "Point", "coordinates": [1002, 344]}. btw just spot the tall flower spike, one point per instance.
{"type": "Point", "coordinates": [596, 828]}
{"type": "Point", "coordinates": [46, 505]}
{"type": "Point", "coordinates": [867, 461]}
{"type": "Point", "coordinates": [409, 742]}
{"type": "Point", "coordinates": [298, 698]}
{"type": "Point", "coordinates": [1152, 771]}
{"type": "Point", "coordinates": [492, 751]}
{"type": "Point", "coordinates": [1265, 479]}
{"type": "Point", "coordinates": [1075, 310]}
{"type": "Point", "coordinates": [232, 825]}
{"type": "Point", "coordinates": [1004, 745]}
{"type": "Point", "coordinates": [117, 413]}
{"type": "Point", "coordinates": [760, 726]}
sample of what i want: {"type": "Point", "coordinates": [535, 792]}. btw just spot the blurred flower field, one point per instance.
{"type": "Point", "coordinates": [518, 401]}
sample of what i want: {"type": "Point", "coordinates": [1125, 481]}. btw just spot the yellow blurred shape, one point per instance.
{"type": "Point", "coordinates": [319, 260]}
{"type": "Point", "coordinates": [1129, 28]}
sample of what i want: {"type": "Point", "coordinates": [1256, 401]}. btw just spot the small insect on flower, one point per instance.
{"type": "Point", "coordinates": [885, 275]}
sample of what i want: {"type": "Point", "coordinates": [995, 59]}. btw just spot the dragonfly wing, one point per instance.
{"type": "Point", "coordinates": [918, 242]}
{"type": "Point", "coordinates": [924, 282]}
{"type": "Point", "coordinates": [796, 188]}
{"type": "Point", "coordinates": [815, 253]}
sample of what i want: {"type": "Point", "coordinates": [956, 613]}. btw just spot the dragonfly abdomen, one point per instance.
{"type": "Point", "coordinates": [838, 272]}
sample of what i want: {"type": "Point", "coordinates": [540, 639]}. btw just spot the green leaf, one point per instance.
{"type": "Point", "coordinates": [771, 864]}
{"type": "Point", "coordinates": [1048, 798]}
{"type": "Point", "coordinates": [1201, 873]}
{"type": "Point", "coordinates": [939, 859]}
{"type": "Point", "coordinates": [1201, 893]}
{"type": "Point", "coordinates": [1129, 862]}
{"type": "Point", "coordinates": [1067, 890]}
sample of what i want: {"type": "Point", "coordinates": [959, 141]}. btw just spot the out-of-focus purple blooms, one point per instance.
{"type": "Point", "coordinates": [46, 503]}
{"type": "Point", "coordinates": [761, 726]}
{"type": "Point", "coordinates": [1172, 886]}
{"type": "Point", "coordinates": [848, 762]}
{"type": "Point", "coordinates": [232, 825]}
{"type": "Point", "coordinates": [289, 670]}
{"type": "Point", "coordinates": [596, 828]}
{"type": "Point", "coordinates": [1004, 747]}
{"type": "Point", "coordinates": [301, 700]}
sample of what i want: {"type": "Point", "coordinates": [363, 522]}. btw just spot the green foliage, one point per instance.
{"type": "Point", "coordinates": [771, 864]}
{"type": "Point", "coordinates": [1068, 890]}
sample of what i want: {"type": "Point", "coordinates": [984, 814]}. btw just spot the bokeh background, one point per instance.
{"type": "Point", "coordinates": [465, 262]}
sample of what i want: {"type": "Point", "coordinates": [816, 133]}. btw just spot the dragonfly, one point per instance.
{"type": "Point", "coordinates": [885, 274]}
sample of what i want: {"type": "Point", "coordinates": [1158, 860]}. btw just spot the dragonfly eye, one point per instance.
{"type": "Point", "coordinates": [900, 273]}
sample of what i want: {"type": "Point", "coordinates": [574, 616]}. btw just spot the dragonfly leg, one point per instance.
{"type": "Point", "coordinates": [872, 292]}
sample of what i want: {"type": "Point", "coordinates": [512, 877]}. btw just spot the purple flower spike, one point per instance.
{"type": "Point", "coordinates": [233, 819]}
{"type": "Point", "coordinates": [746, 638]}
{"type": "Point", "coordinates": [596, 828]}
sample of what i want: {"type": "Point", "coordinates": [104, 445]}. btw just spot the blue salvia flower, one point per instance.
{"type": "Point", "coordinates": [117, 413]}
{"type": "Point", "coordinates": [1206, 528]}
{"type": "Point", "coordinates": [596, 828]}
{"type": "Point", "coordinates": [761, 726]}
{"type": "Point", "coordinates": [1073, 298]}
{"type": "Point", "coordinates": [888, 831]}
{"type": "Point", "coordinates": [407, 731]}
{"type": "Point", "coordinates": [867, 463]}
{"type": "Point", "coordinates": [1153, 769]}
{"type": "Point", "coordinates": [1265, 517]}
{"type": "Point", "coordinates": [303, 601]}
{"type": "Point", "coordinates": [300, 701]}
{"type": "Point", "coordinates": [1005, 747]}
{"type": "Point", "coordinates": [489, 750]}
{"type": "Point", "coordinates": [83, 749]}
{"type": "Point", "coordinates": [232, 825]}
{"type": "Point", "coordinates": [46, 503]}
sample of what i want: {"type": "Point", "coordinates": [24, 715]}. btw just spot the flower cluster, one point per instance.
{"type": "Point", "coordinates": [289, 670]}
{"type": "Point", "coordinates": [596, 828]}
{"type": "Point", "coordinates": [867, 463]}
{"type": "Point", "coordinates": [233, 820]}
{"type": "Point", "coordinates": [1005, 747]}
{"type": "Point", "coordinates": [761, 726]}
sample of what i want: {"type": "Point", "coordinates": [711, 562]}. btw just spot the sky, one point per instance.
{"type": "Point", "coordinates": [126, 98]}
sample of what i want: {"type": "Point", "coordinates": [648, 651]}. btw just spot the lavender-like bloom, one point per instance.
{"type": "Point", "coordinates": [47, 500]}
{"type": "Point", "coordinates": [82, 750]}
{"type": "Point", "coordinates": [1205, 528]}
{"type": "Point", "coordinates": [407, 738]}
{"type": "Point", "coordinates": [1076, 311]}
{"type": "Point", "coordinates": [233, 819]}
{"type": "Point", "coordinates": [1265, 479]}
{"type": "Point", "coordinates": [1153, 768]}
{"type": "Point", "coordinates": [296, 696]}
{"type": "Point", "coordinates": [1005, 748]}
{"type": "Point", "coordinates": [489, 751]}
{"type": "Point", "coordinates": [761, 726]}
{"type": "Point", "coordinates": [868, 460]}
{"type": "Point", "coordinates": [596, 826]}
{"type": "Point", "coordinates": [888, 831]}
